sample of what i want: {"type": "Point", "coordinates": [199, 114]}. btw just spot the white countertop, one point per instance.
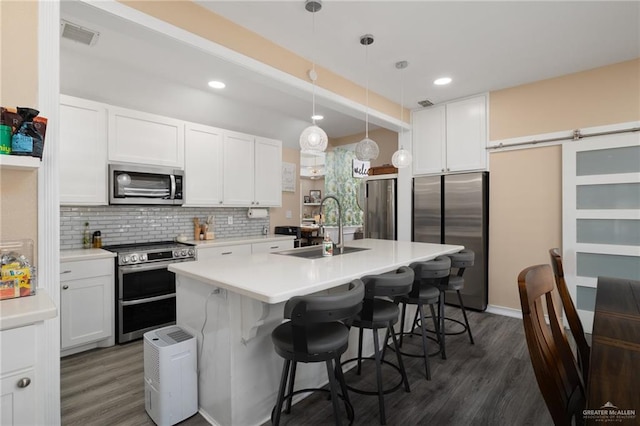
{"type": "Point", "coordinates": [220, 242]}
{"type": "Point", "coordinates": [26, 310]}
{"type": "Point", "coordinates": [275, 278]}
{"type": "Point", "coordinates": [84, 254]}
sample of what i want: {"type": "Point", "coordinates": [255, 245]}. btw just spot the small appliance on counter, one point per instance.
{"type": "Point", "coordinates": [290, 230]}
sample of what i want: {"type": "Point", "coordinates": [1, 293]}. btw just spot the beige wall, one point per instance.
{"type": "Point", "coordinates": [290, 200]}
{"type": "Point", "coordinates": [18, 86]}
{"type": "Point", "coordinates": [386, 139]}
{"type": "Point", "coordinates": [526, 185]}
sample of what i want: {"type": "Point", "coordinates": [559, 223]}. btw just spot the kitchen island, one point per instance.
{"type": "Point", "coordinates": [232, 304]}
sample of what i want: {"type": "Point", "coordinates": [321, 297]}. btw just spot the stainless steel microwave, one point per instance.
{"type": "Point", "coordinates": [140, 184]}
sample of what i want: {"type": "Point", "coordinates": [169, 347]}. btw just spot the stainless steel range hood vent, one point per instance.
{"type": "Point", "coordinates": [78, 34]}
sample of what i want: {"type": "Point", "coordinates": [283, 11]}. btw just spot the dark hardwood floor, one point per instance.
{"type": "Point", "coordinates": [489, 383]}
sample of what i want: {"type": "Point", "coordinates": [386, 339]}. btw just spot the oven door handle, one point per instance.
{"type": "Point", "coordinates": [148, 300]}
{"type": "Point", "coordinates": [144, 268]}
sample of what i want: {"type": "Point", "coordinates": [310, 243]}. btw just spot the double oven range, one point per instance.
{"type": "Point", "coordinates": [145, 289]}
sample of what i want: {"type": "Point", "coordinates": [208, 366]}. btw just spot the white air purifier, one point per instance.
{"type": "Point", "coordinates": [170, 375]}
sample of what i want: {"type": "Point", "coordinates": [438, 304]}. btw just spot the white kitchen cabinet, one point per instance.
{"type": "Point", "coordinates": [429, 140]}
{"type": "Point", "coordinates": [450, 137]}
{"type": "Point", "coordinates": [142, 138]}
{"type": "Point", "coordinates": [238, 167]}
{"type": "Point", "coordinates": [252, 169]}
{"type": "Point", "coordinates": [83, 152]}
{"type": "Point", "coordinates": [268, 172]}
{"type": "Point", "coordinates": [467, 134]}
{"type": "Point", "coordinates": [205, 253]}
{"type": "Point", "coordinates": [86, 303]}
{"type": "Point", "coordinates": [271, 246]}
{"type": "Point", "coordinates": [17, 376]}
{"type": "Point", "coordinates": [203, 165]}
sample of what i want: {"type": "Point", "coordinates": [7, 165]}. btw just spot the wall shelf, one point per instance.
{"type": "Point", "coordinates": [311, 204]}
{"type": "Point", "coordinates": [19, 162]}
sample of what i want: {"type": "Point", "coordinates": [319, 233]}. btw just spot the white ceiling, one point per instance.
{"type": "Point", "coordinates": [483, 46]}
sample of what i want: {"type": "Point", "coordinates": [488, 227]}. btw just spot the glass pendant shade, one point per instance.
{"type": "Point", "coordinates": [313, 138]}
{"type": "Point", "coordinates": [367, 149]}
{"type": "Point", "coordinates": [401, 158]}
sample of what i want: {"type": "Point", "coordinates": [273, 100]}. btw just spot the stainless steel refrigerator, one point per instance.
{"type": "Point", "coordinates": [454, 209]}
{"type": "Point", "coordinates": [379, 208]}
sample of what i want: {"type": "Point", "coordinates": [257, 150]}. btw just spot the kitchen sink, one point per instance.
{"type": "Point", "coordinates": [315, 252]}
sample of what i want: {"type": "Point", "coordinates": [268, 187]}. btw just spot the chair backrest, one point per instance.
{"type": "Point", "coordinates": [583, 349]}
{"type": "Point", "coordinates": [390, 284]}
{"type": "Point", "coordinates": [553, 363]}
{"type": "Point", "coordinates": [461, 260]}
{"type": "Point", "coordinates": [431, 272]}
{"type": "Point", "coordinates": [326, 308]}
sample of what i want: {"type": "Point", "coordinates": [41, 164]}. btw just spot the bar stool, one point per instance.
{"type": "Point", "coordinates": [461, 260]}
{"type": "Point", "coordinates": [316, 333]}
{"type": "Point", "coordinates": [424, 291]}
{"type": "Point", "coordinates": [378, 314]}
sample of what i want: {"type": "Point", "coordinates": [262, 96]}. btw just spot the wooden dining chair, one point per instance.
{"type": "Point", "coordinates": [553, 363]}
{"type": "Point", "coordinates": [575, 325]}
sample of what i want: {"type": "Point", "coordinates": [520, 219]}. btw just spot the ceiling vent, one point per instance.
{"type": "Point", "coordinates": [425, 103]}
{"type": "Point", "coordinates": [78, 34]}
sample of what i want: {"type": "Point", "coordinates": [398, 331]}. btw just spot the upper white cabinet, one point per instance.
{"type": "Point", "coordinates": [252, 169]}
{"type": "Point", "coordinates": [138, 137]}
{"type": "Point", "coordinates": [238, 166]}
{"type": "Point", "coordinates": [268, 172]}
{"type": "Point", "coordinates": [83, 152]}
{"type": "Point", "coordinates": [203, 165]}
{"type": "Point", "coordinates": [450, 137]}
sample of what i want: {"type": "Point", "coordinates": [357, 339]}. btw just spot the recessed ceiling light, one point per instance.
{"type": "Point", "coordinates": [317, 117]}
{"type": "Point", "coordinates": [442, 81]}
{"type": "Point", "coordinates": [217, 84]}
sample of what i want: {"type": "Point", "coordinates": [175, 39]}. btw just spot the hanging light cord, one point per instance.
{"type": "Point", "coordinates": [313, 75]}
{"type": "Point", "coordinates": [366, 73]}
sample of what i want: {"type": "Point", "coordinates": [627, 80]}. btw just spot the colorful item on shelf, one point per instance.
{"type": "Point", "coordinates": [17, 275]}
{"type": "Point", "coordinates": [26, 131]}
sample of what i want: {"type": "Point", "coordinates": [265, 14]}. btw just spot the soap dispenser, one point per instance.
{"type": "Point", "coordinates": [327, 245]}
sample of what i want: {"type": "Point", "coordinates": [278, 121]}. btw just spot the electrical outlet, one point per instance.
{"type": "Point", "coordinates": [229, 220]}
{"type": "Point", "coordinates": [288, 215]}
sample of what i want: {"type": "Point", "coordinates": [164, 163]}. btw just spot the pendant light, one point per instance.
{"type": "Point", "coordinates": [401, 158]}
{"type": "Point", "coordinates": [313, 138]}
{"type": "Point", "coordinates": [367, 149]}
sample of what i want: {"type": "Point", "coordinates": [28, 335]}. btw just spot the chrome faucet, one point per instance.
{"type": "Point", "coordinates": [340, 244]}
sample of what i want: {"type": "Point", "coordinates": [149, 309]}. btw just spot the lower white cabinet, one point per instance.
{"type": "Point", "coordinates": [205, 253]}
{"type": "Point", "coordinates": [271, 246]}
{"type": "Point", "coordinates": [17, 376]}
{"type": "Point", "coordinates": [86, 302]}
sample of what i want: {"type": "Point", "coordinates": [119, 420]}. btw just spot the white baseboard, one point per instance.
{"type": "Point", "coordinates": [507, 312]}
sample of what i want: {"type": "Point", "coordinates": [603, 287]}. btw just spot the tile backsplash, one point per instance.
{"type": "Point", "coordinates": [135, 224]}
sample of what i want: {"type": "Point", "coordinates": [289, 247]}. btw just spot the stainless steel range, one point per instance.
{"type": "Point", "coordinates": [145, 289]}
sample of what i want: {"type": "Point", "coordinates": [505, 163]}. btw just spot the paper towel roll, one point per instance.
{"type": "Point", "coordinates": [257, 213]}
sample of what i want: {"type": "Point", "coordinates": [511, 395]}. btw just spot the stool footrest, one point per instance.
{"type": "Point", "coordinates": [375, 392]}
{"type": "Point", "coordinates": [420, 355]}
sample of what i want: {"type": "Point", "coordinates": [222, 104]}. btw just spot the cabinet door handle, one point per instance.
{"type": "Point", "coordinates": [220, 201]}
{"type": "Point", "coordinates": [68, 271]}
{"type": "Point", "coordinates": [274, 247]}
{"type": "Point", "coordinates": [442, 170]}
{"type": "Point", "coordinates": [257, 202]}
{"type": "Point", "coordinates": [65, 287]}
{"type": "Point", "coordinates": [24, 382]}
{"type": "Point", "coordinates": [227, 252]}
